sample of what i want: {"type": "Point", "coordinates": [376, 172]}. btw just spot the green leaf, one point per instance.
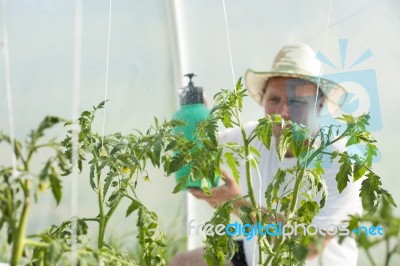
{"type": "Point", "coordinates": [352, 140]}
{"type": "Point", "coordinates": [308, 210]}
{"type": "Point", "coordinates": [233, 165]}
{"type": "Point", "coordinates": [358, 171]}
{"type": "Point", "coordinates": [284, 142]}
{"type": "Point", "coordinates": [319, 183]}
{"type": "Point", "coordinates": [345, 171]}
{"type": "Point", "coordinates": [176, 163]}
{"type": "Point", "coordinates": [48, 122]}
{"type": "Point", "coordinates": [56, 186]}
{"type": "Point", "coordinates": [92, 183]}
{"type": "Point", "coordinates": [157, 151]}
{"type": "Point", "coordinates": [219, 248]}
{"type": "Point", "coordinates": [264, 131]}
{"type": "Point", "coordinates": [44, 173]}
{"type": "Point", "coordinates": [245, 214]}
{"type": "Point", "coordinates": [80, 165]}
{"type": "Point", "coordinates": [253, 163]}
{"type": "Point", "coordinates": [334, 154]}
{"type": "Point", "coordinates": [171, 145]}
{"type": "Point", "coordinates": [300, 252]}
{"type": "Point", "coordinates": [232, 248]}
{"type": "Point", "coordinates": [54, 252]}
{"type": "Point", "coordinates": [278, 181]}
{"type": "Point", "coordinates": [17, 149]}
{"type": "Point", "coordinates": [114, 198]}
{"type": "Point", "coordinates": [349, 119]}
{"type": "Point", "coordinates": [101, 104]}
{"type": "Point", "coordinates": [387, 196]}
{"type": "Point", "coordinates": [181, 185]}
{"type": "Point", "coordinates": [226, 120]}
{"type": "Point", "coordinates": [107, 182]}
{"type": "Point", "coordinates": [204, 186]}
{"type": "Point", "coordinates": [156, 121]}
{"type": "Point", "coordinates": [371, 151]}
{"type": "Point", "coordinates": [369, 192]}
{"type": "Point", "coordinates": [297, 141]}
{"type": "Point", "coordinates": [86, 113]}
{"type": "Point", "coordinates": [211, 131]}
{"type": "Point", "coordinates": [268, 195]}
{"type": "Point", "coordinates": [254, 152]}
{"type": "Point", "coordinates": [133, 207]}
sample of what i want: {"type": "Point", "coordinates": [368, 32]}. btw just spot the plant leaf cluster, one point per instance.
{"type": "Point", "coordinates": [116, 164]}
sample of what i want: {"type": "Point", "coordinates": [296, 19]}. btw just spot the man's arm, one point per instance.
{"type": "Point", "coordinates": [220, 195]}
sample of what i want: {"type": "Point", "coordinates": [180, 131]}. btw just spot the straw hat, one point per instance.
{"type": "Point", "coordinates": [296, 61]}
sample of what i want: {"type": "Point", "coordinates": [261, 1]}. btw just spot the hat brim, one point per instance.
{"type": "Point", "coordinates": [256, 82]}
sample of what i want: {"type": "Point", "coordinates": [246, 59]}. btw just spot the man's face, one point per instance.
{"type": "Point", "coordinates": [293, 99]}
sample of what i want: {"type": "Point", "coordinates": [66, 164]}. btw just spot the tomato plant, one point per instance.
{"type": "Point", "coordinates": [117, 161]}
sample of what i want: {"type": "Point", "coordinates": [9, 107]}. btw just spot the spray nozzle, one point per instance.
{"type": "Point", "coordinates": [191, 94]}
{"type": "Point", "coordinates": [190, 76]}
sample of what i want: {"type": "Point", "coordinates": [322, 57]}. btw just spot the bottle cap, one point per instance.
{"type": "Point", "coordinates": [191, 94]}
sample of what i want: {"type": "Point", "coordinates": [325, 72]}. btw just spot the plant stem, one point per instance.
{"type": "Point", "coordinates": [296, 190]}
{"type": "Point", "coordinates": [292, 209]}
{"type": "Point", "coordinates": [102, 220]}
{"type": "Point", "coordinates": [371, 260]}
{"type": "Point", "coordinates": [277, 243]}
{"type": "Point", "coordinates": [388, 253]}
{"type": "Point", "coordinates": [19, 243]}
{"type": "Point", "coordinates": [248, 172]}
{"type": "Point", "coordinates": [250, 181]}
{"type": "Point", "coordinates": [37, 244]}
{"type": "Point", "coordinates": [323, 147]}
{"type": "Point", "coordinates": [89, 219]}
{"type": "Point", "coordinates": [111, 211]}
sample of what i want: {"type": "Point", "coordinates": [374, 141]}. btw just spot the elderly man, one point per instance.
{"type": "Point", "coordinates": [290, 90]}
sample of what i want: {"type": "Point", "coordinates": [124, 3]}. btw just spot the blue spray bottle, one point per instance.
{"type": "Point", "coordinates": [192, 111]}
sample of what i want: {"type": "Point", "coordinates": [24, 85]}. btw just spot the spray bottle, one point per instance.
{"type": "Point", "coordinates": [192, 111]}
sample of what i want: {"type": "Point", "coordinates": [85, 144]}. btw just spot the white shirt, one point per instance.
{"type": "Point", "coordinates": [336, 210]}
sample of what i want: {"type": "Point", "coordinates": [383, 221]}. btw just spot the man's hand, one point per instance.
{"type": "Point", "coordinates": [219, 195]}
